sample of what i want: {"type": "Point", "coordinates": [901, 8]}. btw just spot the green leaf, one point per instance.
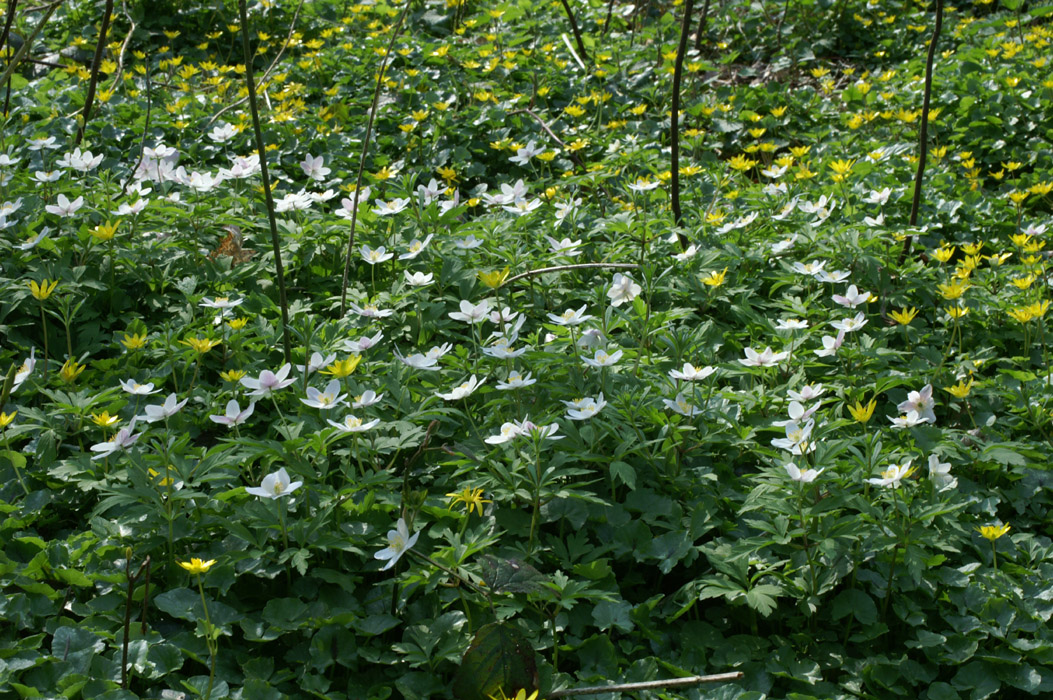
{"type": "Point", "coordinates": [762, 598]}
{"type": "Point", "coordinates": [941, 691]}
{"type": "Point", "coordinates": [608, 614]}
{"type": "Point", "coordinates": [179, 603]}
{"type": "Point", "coordinates": [857, 603]}
{"type": "Point", "coordinates": [499, 660]}
{"type": "Point", "coordinates": [625, 473]}
{"type": "Point", "coordinates": [510, 575]}
{"type": "Point", "coordinates": [978, 679]}
{"type": "Point", "coordinates": [1004, 456]}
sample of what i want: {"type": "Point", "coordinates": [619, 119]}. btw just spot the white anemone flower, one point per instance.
{"type": "Point", "coordinates": [462, 390]}
{"type": "Point", "coordinates": [275, 485]}
{"type": "Point", "coordinates": [806, 476]}
{"type": "Point", "coordinates": [399, 542]}
{"type": "Point", "coordinates": [169, 408]}
{"type": "Point", "coordinates": [325, 400]}
{"type": "Point", "coordinates": [233, 414]}
{"type": "Point", "coordinates": [690, 373]}
{"type": "Point", "coordinates": [353, 424]}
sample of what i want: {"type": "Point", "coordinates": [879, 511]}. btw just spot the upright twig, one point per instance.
{"type": "Point", "coordinates": [268, 198]}
{"type": "Point", "coordinates": [574, 28]}
{"type": "Point", "coordinates": [266, 73]}
{"type": "Point", "coordinates": [96, 62]}
{"type": "Point", "coordinates": [146, 130]}
{"type": "Point", "coordinates": [128, 610]}
{"type": "Point", "coordinates": [12, 5]}
{"type": "Point", "coordinates": [124, 44]}
{"type": "Point", "coordinates": [365, 152]}
{"type": "Point", "coordinates": [674, 123]}
{"type": "Point", "coordinates": [20, 54]}
{"type": "Point", "coordinates": [701, 26]}
{"type": "Point", "coordinates": [923, 137]}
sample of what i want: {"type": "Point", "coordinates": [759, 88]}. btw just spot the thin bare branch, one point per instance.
{"type": "Point", "coordinates": [563, 268]}
{"type": "Point", "coordinates": [647, 685]}
{"type": "Point", "coordinates": [365, 151]}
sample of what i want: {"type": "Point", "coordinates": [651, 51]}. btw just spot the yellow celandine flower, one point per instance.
{"type": "Point", "coordinates": [343, 368]}
{"type": "Point", "coordinates": [961, 389]}
{"type": "Point", "coordinates": [494, 279]}
{"type": "Point", "coordinates": [7, 418]}
{"type": "Point", "coordinates": [842, 167]}
{"type": "Point", "coordinates": [904, 316]}
{"type": "Point", "coordinates": [1023, 282]}
{"type": "Point", "coordinates": [70, 370]}
{"type": "Point", "coordinates": [952, 290]}
{"type": "Point", "coordinates": [957, 311]}
{"type": "Point", "coordinates": [1017, 197]}
{"type": "Point", "coordinates": [998, 258]}
{"type": "Point", "coordinates": [972, 248]}
{"type": "Point", "coordinates": [521, 695]}
{"type": "Point", "coordinates": [1041, 189]}
{"type": "Point", "coordinates": [200, 345]}
{"type": "Point", "coordinates": [232, 375]}
{"type": "Point", "coordinates": [943, 253]}
{"type": "Point", "coordinates": [1023, 314]}
{"type": "Point", "coordinates": [861, 413]}
{"type": "Point", "coordinates": [104, 232]}
{"type": "Point", "coordinates": [43, 290]}
{"type": "Point", "coordinates": [778, 111]}
{"type": "Point", "coordinates": [992, 532]}
{"type": "Point", "coordinates": [715, 279]}
{"type": "Point", "coordinates": [741, 163]}
{"type": "Point", "coordinates": [104, 419]}
{"type": "Point", "coordinates": [1039, 308]}
{"type": "Point", "coordinates": [136, 341]}
{"type": "Point", "coordinates": [197, 566]}
{"type": "Point", "coordinates": [1020, 239]}
{"type": "Point", "coordinates": [574, 110]}
{"type": "Point", "coordinates": [236, 324]}
{"type": "Point", "coordinates": [447, 174]}
{"type": "Point", "coordinates": [471, 498]}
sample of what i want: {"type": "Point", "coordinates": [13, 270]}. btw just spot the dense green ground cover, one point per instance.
{"type": "Point", "coordinates": [764, 441]}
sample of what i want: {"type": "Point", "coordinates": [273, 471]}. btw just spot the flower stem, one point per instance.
{"type": "Point", "coordinates": [210, 641]}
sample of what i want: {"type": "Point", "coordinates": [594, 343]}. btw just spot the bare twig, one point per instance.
{"type": "Point", "coordinates": [12, 5]}
{"type": "Point", "coordinates": [647, 685]}
{"type": "Point", "coordinates": [124, 44]}
{"type": "Point", "coordinates": [548, 130]}
{"type": "Point", "coordinates": [20, 54]}
{"type": "Point", "coordinates": [266, 73]}
{"type": "Point", "coordinates": [577, 34]}
{"type": "Point", "coordinates": [701, 26]}
{"type": "Point", "coordinates": [563, 268]}
{"type": "Point", "coordinates": [268, 198]}
{"type": "Point", "coordinates": [96, 63]}
{"type": "Point", "coordinates": [674, 123]}
{"type": "Point", "coordinates": [146, 130]}
{"type": "Point", "coordinates": [923, 137]}
{"type": "Point", "coordinates": [365, 151]}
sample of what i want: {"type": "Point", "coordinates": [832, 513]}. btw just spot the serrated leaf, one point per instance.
{"type": "Point", "coordinates": [762, 598]}
{"type": "Point", "coordinates": [499, 660]}
{"type": "Point", "coordinates": [625, 473]}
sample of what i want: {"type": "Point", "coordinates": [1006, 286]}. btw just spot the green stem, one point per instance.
{"type": "Point", "coordinates": [44, 326]}
{"type": "Point", "coordinates": [210, 641]}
